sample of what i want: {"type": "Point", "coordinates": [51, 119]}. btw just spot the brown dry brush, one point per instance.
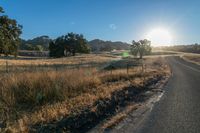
{"type": "Point", "coordinates": [69, 96]}
{"type": "Point", "coordinates": [28, 90]}
{"type": "Point", "coordinates": [105, 107]}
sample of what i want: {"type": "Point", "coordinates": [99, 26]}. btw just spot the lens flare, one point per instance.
{"type": "Point", "coordinates": [159, 37]}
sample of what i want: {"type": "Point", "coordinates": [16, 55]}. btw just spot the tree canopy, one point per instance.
{"type": "Point", "coordinates": [142, 47]}
{"type": "Point", "coordinates": [68, 45]}
{"type": "Point", "coordinates": [9, 34]}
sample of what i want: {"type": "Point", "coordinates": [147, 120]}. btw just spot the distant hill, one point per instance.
{"type": "Point", "coordinates": [100, 45]}
{"type": "Point", "coordinates": [37, 43]}
{"type": "Point", "coordinates": [42, 43]}
{"type": "Point", "coordinates": [194, 48]}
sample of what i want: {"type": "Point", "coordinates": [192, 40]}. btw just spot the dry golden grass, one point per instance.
{"type": "Point", "coordinates": [113, 121]}
{"type": "Point", "coordinates": [192, 58]}
{"type": "Point", "coordinates": [39, 97]}
{"type": "Point", "coordinates": [22, 64]}
{"type": "Point", "coordinates": [86, 58]}
{"type": "Point", "coordinates": [41, 87]}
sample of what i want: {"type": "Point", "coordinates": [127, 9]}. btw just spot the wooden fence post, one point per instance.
{"type": "Point", "coordinates": [143, 71]}
{"type": "Point", "coordinates": [7, 66]}
{"type": "Point", "coordinates": [127, 67]}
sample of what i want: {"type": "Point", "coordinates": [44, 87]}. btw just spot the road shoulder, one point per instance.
{"type": "Point", "coordinates": [131, 117]}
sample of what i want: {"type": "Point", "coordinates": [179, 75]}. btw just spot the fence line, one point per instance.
{"type": "Point", "coordinates": [8, 67]}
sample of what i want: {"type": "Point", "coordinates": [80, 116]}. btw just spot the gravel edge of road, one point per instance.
{"type": "Point", "coordinates": [135, 117]}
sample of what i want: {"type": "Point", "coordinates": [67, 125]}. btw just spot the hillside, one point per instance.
{"type": "Point", "coordinates": [42, 43]}
{"type": "Point", "coordinates": [193, 48]}
{"type": "Point", "coordinates": [38, 43]}
{"type": "Point", "coordinates": [100, 45]}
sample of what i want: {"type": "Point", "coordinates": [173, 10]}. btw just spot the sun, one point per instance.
{"type": "Point", "coordinates": [159, 37]}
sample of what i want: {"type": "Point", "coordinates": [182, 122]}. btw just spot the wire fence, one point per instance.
{"type": "Point", "coordinates": [9, 67]}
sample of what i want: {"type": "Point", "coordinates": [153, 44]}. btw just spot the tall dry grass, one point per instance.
{"type": "Point", "coordinates": [31, 97]}
{"type": "Point", "coordinates": [194, 58]}
{"type": "Point", "coordinates": [26, 91]}
{"type": "Point", "coordinates": [22, 64]}
{"type": "Point", "coordinates": [31, 89]}
{"type": "Point", "coordinates": [85, 58]}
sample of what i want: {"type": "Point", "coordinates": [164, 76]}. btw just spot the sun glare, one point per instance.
{"type": "Point", "coordinates": [159, 37]}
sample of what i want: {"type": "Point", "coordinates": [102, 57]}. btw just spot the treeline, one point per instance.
{"type": "Point", "coordinates": [194, 48]}
{"type": "Point", "coordinates": [65, 45]}
{"type": "Point", "coordinates": [10, 31]}
{"type": "Point", "coordinates": [70, 44]}
{"type": "Point", "coordinates": [42, 44]}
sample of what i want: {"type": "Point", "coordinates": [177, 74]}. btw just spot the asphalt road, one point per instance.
{"type": "Point", "coordinates": [178, 111]}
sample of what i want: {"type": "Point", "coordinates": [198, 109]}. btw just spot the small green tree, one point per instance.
{"type": "Point", "coordinates": [142, 47]}
{"type": "Point", "coordinates": [9, 34]}
{"type": "Point", "coordinates": [135, 48]}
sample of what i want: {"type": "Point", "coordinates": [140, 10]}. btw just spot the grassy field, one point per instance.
{"type": "Point", "coordinates": [31, 99]}
{"type": "Point", "coordinates": [30, 64]}
{"type": "Point", "coordinates": [194, 58]}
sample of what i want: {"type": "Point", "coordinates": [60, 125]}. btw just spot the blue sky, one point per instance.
{"type": "Point", "coordinates": [116, 20]}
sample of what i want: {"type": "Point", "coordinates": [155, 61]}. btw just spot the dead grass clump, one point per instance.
{"type": "Point", "coordinates": [119, 75]}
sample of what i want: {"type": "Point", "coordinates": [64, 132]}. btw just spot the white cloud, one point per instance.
{"type": "Point", "coordinates": [72, 23]}
{"type": "Point", "coordinates": [113, 26]}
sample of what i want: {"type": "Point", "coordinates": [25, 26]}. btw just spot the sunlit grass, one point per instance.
{"type": "Point", "coordinates": [192, 58]}
{"type": "Point", "coordinates": [32, 97]}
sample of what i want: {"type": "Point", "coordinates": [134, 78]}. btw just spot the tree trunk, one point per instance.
{"type": "Point", "coordinates": [73, 53]}
{"type": "Point", "coordinates": [141, 55]}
